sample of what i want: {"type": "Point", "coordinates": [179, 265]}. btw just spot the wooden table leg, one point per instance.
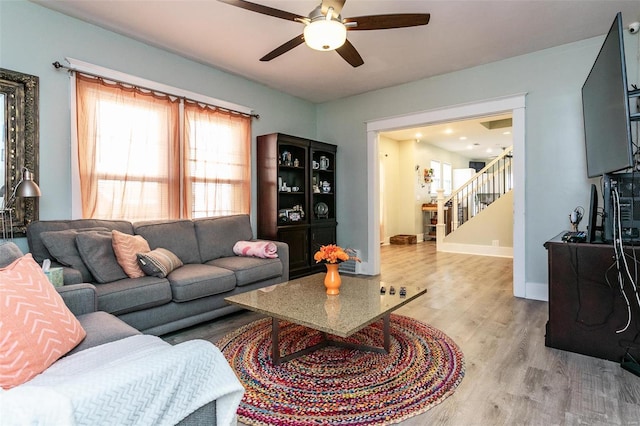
{"type": "Point", "coordinates": [386, 325]}
{"type": "Point", "coordinates": [275, 344]}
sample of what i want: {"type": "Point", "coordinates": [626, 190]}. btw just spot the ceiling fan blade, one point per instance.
{"type": "Point", "coordinates": [294, 42]}
{"type": "Point", "coordinates": [265, 10]}
{"type": "Point", "coordinates": [385, 22]}
{"type": "Point", "coordinates": [337, 6]}
{"type": "Point", "coordinates": [350, 54]}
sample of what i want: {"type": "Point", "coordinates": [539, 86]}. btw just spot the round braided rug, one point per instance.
{"type": "Point", "coordinates": [340, 386]}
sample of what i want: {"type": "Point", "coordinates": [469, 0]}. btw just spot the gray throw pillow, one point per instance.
{"type": "Point", "coordinates": [159, 262]}
{"type": "Point", "coordinates": [96, 251]}
{"type": "Point", "coordinates": [9, 252]}
{"type": "Point", "coordinates": [62, 246]}
{"type": "Point", "coordinates": [179, 236]}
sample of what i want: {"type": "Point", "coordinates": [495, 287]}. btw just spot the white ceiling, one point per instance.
{"type": "Point", "coordinates": [467, 138]}
{"type": "Point", "coordinates": [461, 34]}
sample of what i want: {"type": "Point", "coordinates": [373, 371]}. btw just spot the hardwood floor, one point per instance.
{"type": "Point", "coordinates": [511, 377]}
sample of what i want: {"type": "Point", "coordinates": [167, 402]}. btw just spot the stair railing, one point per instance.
{"type": "Point", "coordinates": [485, 187]}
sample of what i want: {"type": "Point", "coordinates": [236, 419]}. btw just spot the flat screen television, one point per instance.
{"type": "Point", "coordinates": [605, 108]}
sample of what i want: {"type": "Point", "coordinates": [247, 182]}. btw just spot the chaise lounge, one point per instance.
{"type": "Point", "coordinates": [94, 369]}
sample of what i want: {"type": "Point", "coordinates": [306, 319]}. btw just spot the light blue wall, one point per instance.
{"type": "Point", "coordinates": [554, 150]}
{"type": "Point", "coordinates": [32, 37]}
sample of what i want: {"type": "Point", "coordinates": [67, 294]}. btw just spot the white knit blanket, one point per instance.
{"type": "Point", "coordinates": [140, 380]}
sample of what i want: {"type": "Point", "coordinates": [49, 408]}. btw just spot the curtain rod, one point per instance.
{"type": "Point", "coordinates": [58, 65]}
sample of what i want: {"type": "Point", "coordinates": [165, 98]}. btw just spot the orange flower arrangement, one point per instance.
{"type": "Point", "coordinates": [332, 253]}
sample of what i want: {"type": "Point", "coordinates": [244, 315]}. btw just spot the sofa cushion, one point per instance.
{"type": "Point", "coordinates": [40, 252]}
{"type": "Point", "coordinates": [218, 235]}
{"type": "Point", "coordinates": [102, 328]}
{"type": "Point", "coordinates": [62, 246]}
{"type": "Point", "coordinates": [159, 262]}
{"type": "Point", "coordinates": [36, 326]}
{"type": "Point", "coordinates": [194, 281]}
{"type": "Point", "coordinates": [179, 236]}
{"type": "Point", "coordinates": [133, 294]}
{"type": "Point", "coordinates": [249, 270]}
{"type": "Point", "coordinates": [126, 247]}
{"type": "Point", "coordinates": [96, 251]}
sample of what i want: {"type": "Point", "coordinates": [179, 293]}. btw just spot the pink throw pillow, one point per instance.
{"type": "Point", "coordinates": [36, 327]}
{"type": "Point", "coordinates": [126, 247]}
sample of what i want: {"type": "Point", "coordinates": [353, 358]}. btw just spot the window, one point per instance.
{"type": "Point", "coordinates": [442, 177]}
{"type": "Point", "coordinates": [446, 178]}
{"type": "Point", "coordinates": [145, 155]}
{"type": "Point", "coordinates": [219, 173]}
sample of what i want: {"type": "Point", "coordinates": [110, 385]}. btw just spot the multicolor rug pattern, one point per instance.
{"type": "Point", "coordinates": [340, 386]}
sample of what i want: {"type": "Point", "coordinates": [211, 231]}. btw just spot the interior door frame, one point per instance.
{"type": "Point", "coordinates": [515, 105]}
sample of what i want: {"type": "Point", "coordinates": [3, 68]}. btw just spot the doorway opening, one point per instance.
{"type": "Point", "coordinates": [514, 105]}
{"type": "Point", "coordinates": [417, 161]}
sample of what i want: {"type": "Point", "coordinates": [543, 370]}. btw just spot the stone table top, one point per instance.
{"type": "Point", "coordinates": [304, 301]}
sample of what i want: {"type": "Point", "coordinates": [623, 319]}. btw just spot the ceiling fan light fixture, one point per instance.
{"type": "Point", "coordinates": [325, 34]}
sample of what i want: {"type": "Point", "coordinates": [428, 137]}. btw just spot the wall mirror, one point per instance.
{"type": "Point", "coordinates": [19, 146]}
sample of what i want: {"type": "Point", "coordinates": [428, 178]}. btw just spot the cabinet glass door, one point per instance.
{"type": "Point", "coordinates": [323, 185]}
{"type": "Point", "coordinates": [292, 184]}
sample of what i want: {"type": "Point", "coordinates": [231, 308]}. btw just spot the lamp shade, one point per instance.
{"type": "Point", "coordinates": [27, 187]}
{"type": "Point", "coordinates": [325, 34]}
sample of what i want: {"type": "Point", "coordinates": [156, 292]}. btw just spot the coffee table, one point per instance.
{"type": "Point", "coordinates": [304, 301]}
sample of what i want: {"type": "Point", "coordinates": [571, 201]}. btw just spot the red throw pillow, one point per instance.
{"type": "Point", "coordinates": [36, 327]}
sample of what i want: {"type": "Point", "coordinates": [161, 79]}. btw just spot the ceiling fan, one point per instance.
{"type": "Point", "coordinates": [326, 30]}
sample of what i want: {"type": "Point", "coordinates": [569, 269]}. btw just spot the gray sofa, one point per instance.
{"type": "Point", "coordinates": [101, 329]}
{"type": "Point", "coordinates": [190, 294]}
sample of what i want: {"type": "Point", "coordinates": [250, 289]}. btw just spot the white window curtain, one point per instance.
{"type": "Point", "coordinates": [217, 152]}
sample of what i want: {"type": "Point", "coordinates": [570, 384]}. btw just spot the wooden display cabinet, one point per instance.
{"type": "Point", "coordinates": [297, 196]}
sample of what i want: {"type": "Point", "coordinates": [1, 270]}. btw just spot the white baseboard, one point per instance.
{"type": "Point", "coordinates": [495, 251]}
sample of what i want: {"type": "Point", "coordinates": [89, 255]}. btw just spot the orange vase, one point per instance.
{"type": "Point", "coordinates": [332, 279]}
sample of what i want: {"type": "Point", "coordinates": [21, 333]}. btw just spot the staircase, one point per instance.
{"type": "Point", "coordinates": [485, 187]}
